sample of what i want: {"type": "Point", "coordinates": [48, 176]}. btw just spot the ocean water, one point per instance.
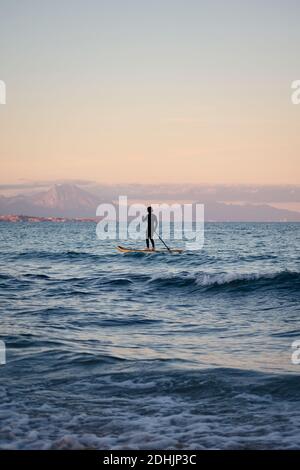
{"type": "Point", "coordinates": [113, 351]}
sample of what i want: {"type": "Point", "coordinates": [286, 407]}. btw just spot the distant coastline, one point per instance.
{"type": "Point", "coordinates": [34, 219]}
{"type": "Point", "coordinates": [11, 218]}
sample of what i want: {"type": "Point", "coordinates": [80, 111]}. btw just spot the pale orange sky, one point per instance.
{"type": "Point", "coordinates": [150, 96]}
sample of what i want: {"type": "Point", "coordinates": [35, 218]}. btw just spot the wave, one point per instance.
{"type": "Point", "coordinates": [36, 276]}
{"type": "Point", "coordinates": [13, 283]}
{"type": "Point", "coordinates": [287, 334]}
{"type": "Point", "coordinates": [286, 279]}
{"type": "Point", "coordinates": [184, 279]}
{"type": "Point", "coordinates": [58, 256]}
{"type": "Point", "coordinates": [204, 281]}
{"type": "Point", "coordinates": [153, 409]}
{"type": "Point", "coordinates": [248, 278]}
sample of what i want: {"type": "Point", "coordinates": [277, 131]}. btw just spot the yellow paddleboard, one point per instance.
{"type": "Point", "coordinates": [122, 249]}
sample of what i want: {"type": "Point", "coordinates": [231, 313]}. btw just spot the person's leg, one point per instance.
{"type": "Point", "coordinates": [152, 243]}
{"type": "Point", "coordinates": [147, 242]}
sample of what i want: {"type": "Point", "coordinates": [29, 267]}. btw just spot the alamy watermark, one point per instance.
{"type": "Point", "coordinates": [2, 92]}
{"type": "Point", "coordinates": [295, 97]}
{"type": "Point", "coordinates": [2, 353]}
{"type": "Point", "coordinates": [183, 222]}
{"type": "Point", "coordinates": [296, 353]}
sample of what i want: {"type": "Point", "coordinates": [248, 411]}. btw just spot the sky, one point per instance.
{"type": "Point", "coordinates": [125, 91]}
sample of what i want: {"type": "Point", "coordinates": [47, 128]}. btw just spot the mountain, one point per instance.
{"type": "Point", "coordinates": [69, 200]}
{"type": "Point", "coordinates": [216, 211]}
{"type": "Point", "coordinates": [61, 200]}
{"type": "Point", "coordinates": [66, 198]}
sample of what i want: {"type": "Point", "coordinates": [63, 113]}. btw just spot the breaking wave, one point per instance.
{"type": "Point", "coordinates": [286, 279]}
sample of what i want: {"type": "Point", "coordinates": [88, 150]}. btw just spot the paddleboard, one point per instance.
{"type": "Point", "coordinates": [122, 249]}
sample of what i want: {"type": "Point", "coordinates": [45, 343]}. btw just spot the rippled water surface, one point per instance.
{"type": "Point", "coordinates": [108, 350]}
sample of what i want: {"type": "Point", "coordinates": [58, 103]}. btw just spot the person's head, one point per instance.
{"type": "Point", "coordinates": [149, 209]}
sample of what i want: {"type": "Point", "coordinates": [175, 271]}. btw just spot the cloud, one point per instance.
{"type": "Point", "coordinates": [31, 185]}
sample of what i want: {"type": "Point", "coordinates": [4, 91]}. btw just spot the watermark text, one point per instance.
{"type": "Point", "coordinates": [123, 221]}
{"type": "Point", "coordinates": [2, 92]}
{"type": "Point", "coordinates": [296, 353]}
{"type": "Point", "coordinates": [2, 353]}
{"type": "Point", "coordinates": [295, 97]}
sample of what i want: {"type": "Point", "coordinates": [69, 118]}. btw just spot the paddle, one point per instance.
{"type": "Point", "coordinates": [163, 241]}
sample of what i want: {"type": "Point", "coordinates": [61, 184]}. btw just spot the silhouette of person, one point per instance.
{"type": "Point", "coordinates": [151, 226]}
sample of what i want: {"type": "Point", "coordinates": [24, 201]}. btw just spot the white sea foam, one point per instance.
{"type": "Point", "coordinates": [209, 279]}
{"type": "Point", "coordinates": [162, 420]}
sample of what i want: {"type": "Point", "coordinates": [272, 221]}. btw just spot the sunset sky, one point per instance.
{"type": "Point", "coordinates": [150, 92]}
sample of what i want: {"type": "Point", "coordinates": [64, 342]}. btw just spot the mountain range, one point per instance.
{"type": "Point", "coordinates": [61, 200]}
{"type": "Point", "coordinates": [70, 200]}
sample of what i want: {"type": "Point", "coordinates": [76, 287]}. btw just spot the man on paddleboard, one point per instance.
{"type": "Point", "coordinates": [151, 226]}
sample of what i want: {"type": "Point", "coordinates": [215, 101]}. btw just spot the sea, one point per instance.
{"type": "Point", "coordinates": [149, 351]}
